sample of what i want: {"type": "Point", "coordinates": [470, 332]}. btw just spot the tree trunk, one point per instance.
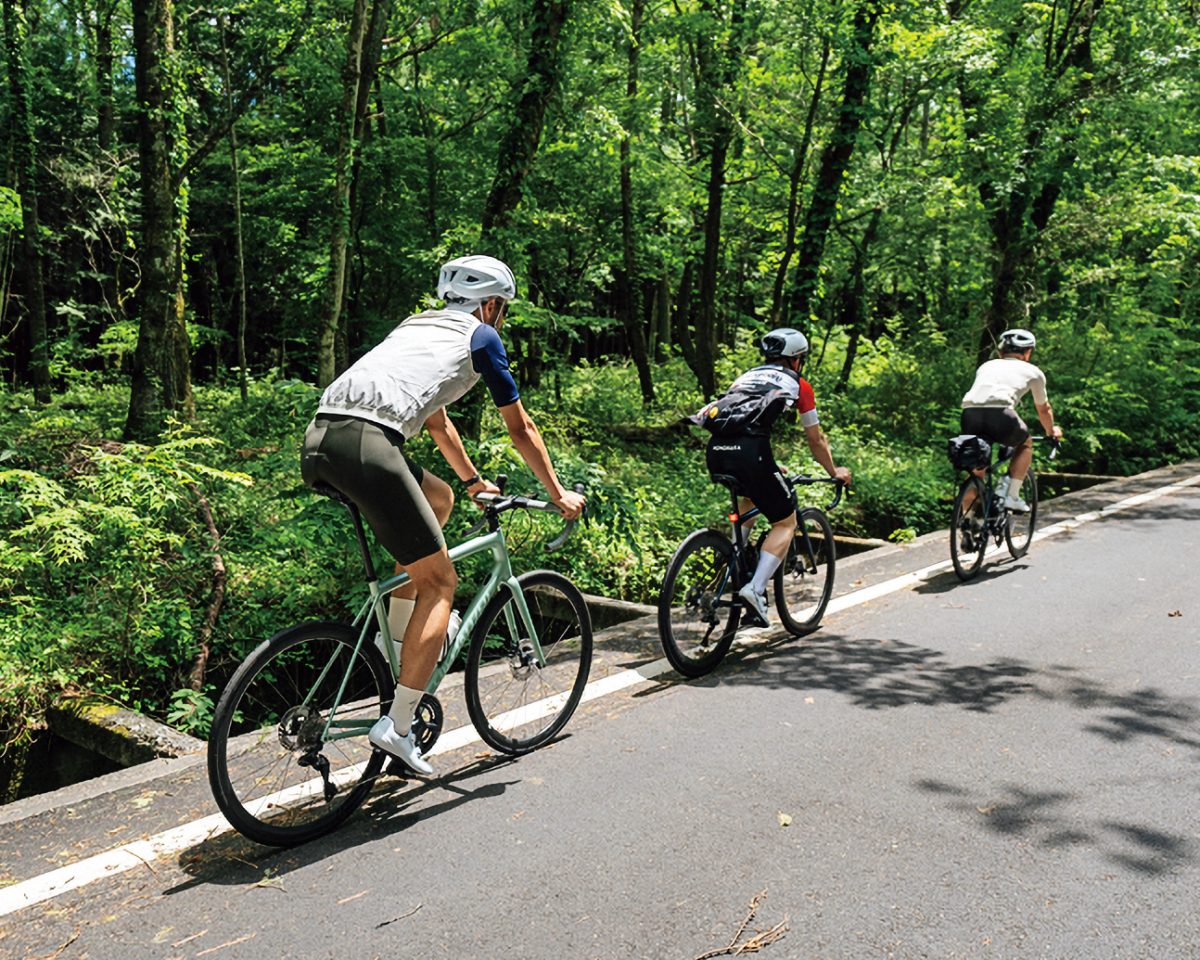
{"type": "Point", "coordinates": [343, 163]}
{"type": "Point", "coordinates": [524, 134]}
{"type": "Point", "coordinates": [105, 122]}
{"type": "Point", "coordinates": [381, 11]}
{"type": "Point", "coordinates": [161, 382]}
{"type": "Point", "coordinates": [794, 179]}
{"type": "Point", "coordinates": [431, 159]}
{"type": "Point", "coordinates": [239, 257]}
{"type": "Point", "coordinates": [835, 161]}
{"type": "Point", "coordinates": [628, 281]}
{"type": "Point", "coordinates": [856, 313]}
{"type": "Point", "coordinates": [716, 77]}
{"type": "Point", "coordinates": [662, 311]}
{"type": "Point", "coordinates": [1018, 213]}
{"type": "Point", "coordinates": [25, 162]}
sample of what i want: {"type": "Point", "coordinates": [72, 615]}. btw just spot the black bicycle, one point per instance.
{"type": "Point", "coordinates": [981, 516]}
{"type": "Point", "coordinates": [699, 610]}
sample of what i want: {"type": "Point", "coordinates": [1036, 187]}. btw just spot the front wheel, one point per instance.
{"type": "Point", "coordinates": [1018, 531]}
{"type": "Point", "coordinates": [516, 703]}
{"type": "Point", "coordinates": [968, 528]}
{"type": "Point", "coordinates": [698, 614]}
{"type": "Point", "coordinates": [804, 581]}
{"type": "Point", "coordinates": [278, 776]}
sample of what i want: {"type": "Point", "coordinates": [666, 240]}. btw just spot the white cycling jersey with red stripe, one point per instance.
{"type": "Point", "coordinates": [791, 384]}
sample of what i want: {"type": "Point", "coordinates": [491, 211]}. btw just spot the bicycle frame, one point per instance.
{"type": "Point", "coordinates": [501, 577]}
{"type": "Point", "coordinates": [737, 519]}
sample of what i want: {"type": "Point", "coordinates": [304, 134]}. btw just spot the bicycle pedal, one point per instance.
{"type": "Point", "coordinates": [398, 768]}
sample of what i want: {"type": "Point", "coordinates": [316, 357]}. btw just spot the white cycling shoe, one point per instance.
{"type": "Point", "coordinates": [384, 736]}
{"type": "Point", "coordinates": [1016, 505]}
{"type": "Point", "coordinates": [756, 606]}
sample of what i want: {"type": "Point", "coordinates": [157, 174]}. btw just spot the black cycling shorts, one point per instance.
{"type": "Point", "coordinates": [366, 462]}
{"type": "Point", "coordinates": [750, 461]}
{"type": "Point", "coordinates": [997, 424]}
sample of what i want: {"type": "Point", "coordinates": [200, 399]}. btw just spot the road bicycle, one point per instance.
{"type": "Point", "coordinates": [288, 755]}
{"type": "Point", "coordinates": [699, 610]}
{"type": "Point", "coordinates": [986, 518]}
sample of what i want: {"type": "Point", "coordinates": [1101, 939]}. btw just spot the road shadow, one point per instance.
{"type": "Point", "coordinates": [1046, 818]}
{"type": "Point", "coordinates": [993, 569]}
{"type": "Point", "coordinates": [394, 805]}
{"type": "Point", "coordinates": [876, 673]}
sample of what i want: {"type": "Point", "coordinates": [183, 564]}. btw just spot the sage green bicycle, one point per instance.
{"type": "Point", "coordinates": [288, 755]}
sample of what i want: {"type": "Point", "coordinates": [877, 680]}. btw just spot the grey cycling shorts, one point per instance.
{"type": "Point", "coordinates": [998, 424]}
{"type": "Point", "coordinates": [366, 462]}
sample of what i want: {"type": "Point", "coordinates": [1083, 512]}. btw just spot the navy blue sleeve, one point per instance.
{"type": "Point", "coordinates": [490, 361]}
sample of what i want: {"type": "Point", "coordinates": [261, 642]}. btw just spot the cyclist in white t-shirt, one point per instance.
{"type": "Point", "coordinates": [355, 443]}
{"type": "Point", "coordinates": [989, 408]}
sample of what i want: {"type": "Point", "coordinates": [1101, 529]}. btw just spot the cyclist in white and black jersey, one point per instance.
{"type": "Point", "coordinates": [989, 409]}
{"type": "Point", "coordinates": [748, 457]}
{"type": "Point", "coordinates": [355, 444]}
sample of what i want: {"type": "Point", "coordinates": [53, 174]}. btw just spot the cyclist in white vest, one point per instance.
{"type": "Point", "coordinates": [989, 409]}
{"type": "Point", "coordinates": [355, 444]}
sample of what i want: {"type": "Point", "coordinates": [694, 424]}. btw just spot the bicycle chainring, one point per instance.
{"type": "Point", "coordinates": [428, 722]}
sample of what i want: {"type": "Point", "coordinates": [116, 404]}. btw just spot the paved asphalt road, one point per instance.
{"type": "Point", "coordinates": [1007, 768]}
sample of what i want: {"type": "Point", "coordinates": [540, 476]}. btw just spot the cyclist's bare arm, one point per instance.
{"type": "Point", "coordinates": [528, 441]}
{"type": "Point", "coordinates": [818, 443]}
{"type": "Point", "coordinates": [1046, 414]}
{"type": "Point", "coordinates": [445, 435]}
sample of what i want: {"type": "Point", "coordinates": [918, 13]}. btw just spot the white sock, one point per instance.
{"type": "Point", "coordinates": [403, 707]}
{"type": "Point", "coordinates": [1014, 488]}
{"type": "Point", "coordinates": [400, 611]}
{"type": "Point", "coordinates": [768, 563]}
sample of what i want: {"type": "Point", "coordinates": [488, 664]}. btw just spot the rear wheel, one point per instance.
{"type": "Point", "coordinates": [804, 581]}
{"type": "Point", "coordinates": [1019, 529]}
{"type": "Point", "coordinates": [968, 532]}
{"type": "Point", "coordinates": [274, 774]}
{"type": "Point", "coordinates": [698, 614]}
{"type": "Point", "coordinates": [516, 704]}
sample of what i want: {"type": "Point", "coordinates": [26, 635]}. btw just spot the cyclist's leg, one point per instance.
{"type": "Point", "coordinates": [766, 486]}
{"type": "Point", "coordinates": [1015, 435]}
{"type": "Point", "coordinates": [436, 581]}
{"type": "Point", "coordinates": [1020, 463]}
{"type": "Point", "coordinates": [774, 551]}
{"type": "Point", "coordinates": [441, 501]}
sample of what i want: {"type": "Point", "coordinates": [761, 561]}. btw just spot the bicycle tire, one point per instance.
{"type": "Point", "coordinates": [1019, 527]}
{"type": "Point", "coordinates": [803, 584]}
{"type": "Point", "coordinates": [516, 705]}
{"type": "Point", "coordinates": [700, 578]}
{"type": "Point", "coordinates": [261, 714]}
{"type": "Point", "coordinates": [967, 562]}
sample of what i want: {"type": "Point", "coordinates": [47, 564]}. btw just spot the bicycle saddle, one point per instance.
{"type": "Point", "coordinates": [726, 481]}
{"type": "Point", "coordinates": [325, 490]}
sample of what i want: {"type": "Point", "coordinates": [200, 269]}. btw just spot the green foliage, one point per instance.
{"type": "Point", "coordinates": [10, 209]}
{"type": "Point", "coordinates": [983, 137]}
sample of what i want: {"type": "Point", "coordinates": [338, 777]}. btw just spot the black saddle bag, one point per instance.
{"type": "Point", "coordinates": [969, 452]}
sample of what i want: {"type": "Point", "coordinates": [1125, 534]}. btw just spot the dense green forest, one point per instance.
{"type": "Point", "coordinates": [207, 211]}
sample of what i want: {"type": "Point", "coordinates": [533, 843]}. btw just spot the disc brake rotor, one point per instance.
{"type": "Point", "coordinates": [300, 728]}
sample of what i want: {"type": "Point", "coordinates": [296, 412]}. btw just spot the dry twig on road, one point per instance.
{"type": "Point", "coordinates": [756, 942]}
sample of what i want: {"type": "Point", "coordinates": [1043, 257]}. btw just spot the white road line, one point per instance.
{"type": "Point", "coordinates": [139, 853]}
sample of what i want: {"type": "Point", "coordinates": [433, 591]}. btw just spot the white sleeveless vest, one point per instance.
{"type": "Point", "coordinates": [422, 365]}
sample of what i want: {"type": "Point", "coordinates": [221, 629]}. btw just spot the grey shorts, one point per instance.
{"type": "Point", "coordinates": [367, 463]}
{"type": "Point", "coordinates": [997, 424]}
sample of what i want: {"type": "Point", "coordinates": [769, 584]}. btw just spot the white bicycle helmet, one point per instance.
{"type": "Point", "coordinates": [784, 342]}
{"type": "Point", "coordinates": [475, 279]}
{"type": "Point", "coordinates": [1017, 340]}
